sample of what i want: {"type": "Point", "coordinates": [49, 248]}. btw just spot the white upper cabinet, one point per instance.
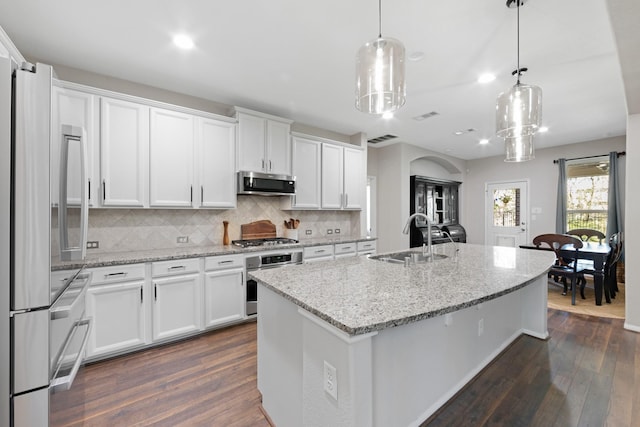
{"type": "Point", "coordinates": [354, 178]}
{"type": "Point", "coordinates": [71, 107]}
{"type": "Point", "coordinates": [171, 150]}
{"type": "Point", "coordinates": [215, 159]}
{"type": "Point", "coordinates": [307, 171]}
{"type": "Point", "coordinates": [343, 180]}
{"type": "Point", "coordinates": [124, 153]}
{"type": "Point", "coordinates": [332, 176]}
{"type": "Point", "coordinates": [264, 144]}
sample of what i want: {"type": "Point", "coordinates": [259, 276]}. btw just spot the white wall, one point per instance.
{"type": "Point", "coordinates": [393, 169]}
{"type": "Point", "coordinates": [632, 229]}
{"type": "Point", "coordinates": [542, 174]}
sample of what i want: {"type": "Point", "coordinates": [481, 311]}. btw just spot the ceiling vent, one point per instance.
{"type": "Point", "coordinates": [425, 116]}
{"type": "Point", "coordinates": [381, 139]}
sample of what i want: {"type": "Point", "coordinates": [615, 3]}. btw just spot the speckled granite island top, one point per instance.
{"type": "Point", "coordinates": [361, 295]}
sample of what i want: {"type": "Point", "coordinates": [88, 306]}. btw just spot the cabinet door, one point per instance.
{"type": "Point", "coordinates": [332, 176]}
{"type": "Point", "coordinates": [170, 159]}
{"type": "Point", "coordinates": [71, 107]}
{"type": "Point", "coordinates": [251, 143]}
{"type": "Point", "coordinates": [118, 312]}
{"type": "Point", "coordinates": [124, 153]}
{"type": "Point", "coordinates": [216, 161]}
{"type": "Point", "coordinates": [176, 308]}
{"type": "Point", "coordinates": [306, 170]}
{"type": "Point", "coordinates": [224, 297]}
{"type": "Point", "coordinates": [354, 179]}
{"type": "Point", "coordinates": [278, 148]}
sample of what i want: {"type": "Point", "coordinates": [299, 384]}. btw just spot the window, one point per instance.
{"type": "Point", "coordinates": [587, 194]}
{"type": "Point", "coordinates": [506, 207]}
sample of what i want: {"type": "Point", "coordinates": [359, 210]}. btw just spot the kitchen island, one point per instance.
{"type": "Point", "coordinates": [363, 342]}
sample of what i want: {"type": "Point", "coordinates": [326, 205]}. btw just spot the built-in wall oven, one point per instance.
{"type": "Point", "coordinates": [262, 260]}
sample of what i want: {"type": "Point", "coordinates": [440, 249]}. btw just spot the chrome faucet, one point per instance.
{"type": "Point", "coordinates": [426, 250]}
{"type": "Point", "coordinates": [455, 245]}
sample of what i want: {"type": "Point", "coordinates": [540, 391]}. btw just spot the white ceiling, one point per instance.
{"type": "Point", "coordinates": [296, 59]}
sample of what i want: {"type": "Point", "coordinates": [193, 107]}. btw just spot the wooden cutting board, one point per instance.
{"type": "Point", "coordinates": [258, 230]}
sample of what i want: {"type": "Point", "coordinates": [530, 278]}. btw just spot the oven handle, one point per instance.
{"type": "Point", "coordinates": [64, 383]}
{"type": "Point", "coordinates": [59, 309]}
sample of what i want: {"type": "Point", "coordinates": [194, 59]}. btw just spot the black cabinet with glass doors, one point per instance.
{"type": "Point", "coordinates": [438, 199]}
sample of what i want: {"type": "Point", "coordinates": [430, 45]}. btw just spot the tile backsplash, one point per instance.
{"type": "Point", "coordinates": [121, 230]}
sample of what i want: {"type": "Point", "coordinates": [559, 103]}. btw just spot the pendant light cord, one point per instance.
{"type": "Point", "coordinates": [518, 41]}
{"type": "Point", "coordinates": [379, 19]}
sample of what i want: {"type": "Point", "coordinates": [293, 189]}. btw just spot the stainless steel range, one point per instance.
{"type": "Point", "coordinates": [271, 241]}
{"type": "Point", "coordinates": [268, 259]}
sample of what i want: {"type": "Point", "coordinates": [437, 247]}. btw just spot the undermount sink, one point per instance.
{"type": "Point", "coordinates": [415, 257]}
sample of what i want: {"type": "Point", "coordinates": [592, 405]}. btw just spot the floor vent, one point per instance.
{"type": "Point", "coordinates": [381, 139]}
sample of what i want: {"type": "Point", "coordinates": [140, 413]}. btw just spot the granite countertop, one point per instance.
{"type": "Point", "coordinates": [360, 295]}
{"type": "Point", "coordinates": [134, 257]}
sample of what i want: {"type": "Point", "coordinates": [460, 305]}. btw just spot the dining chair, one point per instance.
{"type": "Point", "coordinates": [564, 267]}
{"type": "Point", "coordinates": [586, 234]}
{"type": "Point", "coordinates": [616, 242]}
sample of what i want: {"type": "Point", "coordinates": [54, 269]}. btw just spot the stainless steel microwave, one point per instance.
{"type": "Point", "coordinates": [266, 184]}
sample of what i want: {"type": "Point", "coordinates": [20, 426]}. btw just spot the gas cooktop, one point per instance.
{"type": "Point", "coordinates": [272, 241]}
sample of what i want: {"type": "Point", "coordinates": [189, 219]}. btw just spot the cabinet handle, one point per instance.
{"type": "Point", "coordinates": [269, 165]}
{"type": "Point", "coordinates": [155, 292]}
{"type": "Point", "coordinates": [262, 164]}
{"type": "Point", "coordinates": [201, 194]}
{"type": "Point", "coordinates": [242, 282]}
{"type": "Point", "coordinates": [104, 190]}
{"type": "Point", "coordinates": [229, 261]}
{"type": "Point", "coordinates": [320, 251]}
{"type": "Point", "coordinates": [89, 190]}
{"type": "Point", "coordinates": [114, 275]}
{"type": "Point", "coordinates": [346, 248]}
{"type": "Point", "coordinates": [141, 296]}
{"type": "Point", "coordinates": [346, 200]}
{"type": "Point", "coordinates": [177, 267]}
{"type": "Point", "coordinates": [191, 193]}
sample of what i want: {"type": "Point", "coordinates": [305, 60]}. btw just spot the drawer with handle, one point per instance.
{"type": "Point", "coordinates": [117, 273]}
{"type": "Point", "coordinates": [368, 247]}
{"type": "Point", "coordinates": [345, 248]}
{"type": "Point", "coordinates": [323, 252]}
{"type": "Point", "coordinates": [223, 262]}
{"type": "Point", "coordinates": [175, 267]}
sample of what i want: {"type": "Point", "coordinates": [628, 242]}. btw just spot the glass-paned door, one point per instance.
{"type": "Point", "coordinates": [507, 214]}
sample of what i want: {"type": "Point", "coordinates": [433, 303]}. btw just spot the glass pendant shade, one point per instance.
{"type": "Point", "coordinates": [518, 149]}
{"type": "Point", "coordinates": [519, 111]}
{"type": "Point", "coordinates": [380, 82]}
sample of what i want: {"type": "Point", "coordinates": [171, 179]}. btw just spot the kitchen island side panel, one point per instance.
{"type": "Point", "coordinates": [394, 377]}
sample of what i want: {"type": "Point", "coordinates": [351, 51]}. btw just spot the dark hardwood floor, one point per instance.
{"type": "Point", "coordinates": [587, 374]}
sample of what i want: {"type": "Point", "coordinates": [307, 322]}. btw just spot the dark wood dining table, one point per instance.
{"type": "Point", "coordinates": [594, 251]}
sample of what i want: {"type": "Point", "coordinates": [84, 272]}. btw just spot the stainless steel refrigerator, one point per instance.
{"type": "Point", "coordinates": [43, 190]}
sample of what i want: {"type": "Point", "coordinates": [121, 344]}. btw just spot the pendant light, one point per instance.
{"type": "Point", "coordinates": [380, 83]}
{"type": "Point", "coordinates": [519, 110]}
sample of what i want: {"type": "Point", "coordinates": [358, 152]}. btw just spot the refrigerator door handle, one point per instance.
{"type": "Point", "coordinates": [67, 252]}
{"type": "Point", "coordinates": [72, 357]}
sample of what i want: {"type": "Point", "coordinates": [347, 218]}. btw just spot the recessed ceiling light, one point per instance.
{"type": "Point", "coordinates": [416, 56]}
{"type": "Point", "coordinates": [484, 141]}
{"type": "Point", "coordinates": [543, 129]}
{"type": "Point", "coordinates": [183, 41]}
{"type": "Point", "coordinates": [486, 78]}
{"type": "Point", "coordinates": [458, 132]}
{"type": "Point", "coordinates": [387, 115]}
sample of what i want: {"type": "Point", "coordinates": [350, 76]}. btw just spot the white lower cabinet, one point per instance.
{"type": "Point", "coordinates": [317, 253]}
{"type": "Point", "coordinates": [345, 250]}
{"type": "Point", "coordinates": [176, 298]}
{"type": "Point", "coordinates": [116, 303]}
{"type": "Point", "coordinates": [367, 247]}
{"type": "Point", "coordinates": [224, 290]}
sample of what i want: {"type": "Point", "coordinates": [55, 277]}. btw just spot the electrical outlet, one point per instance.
{"type": "Point", "coordinates": [93, 245]}
{"type": "Point", "coordinates": [337, 231]}
{"type": "Point", "coordinates": [330, 380]}
{"type": "Point", "coordinates": [480, 327]}
{"type": "Point", "coordinates": [307, 232]}
{"type": "Point", "coordinates": [329, 231]}
{"type": "Point", "coordinates": [183, 239]}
